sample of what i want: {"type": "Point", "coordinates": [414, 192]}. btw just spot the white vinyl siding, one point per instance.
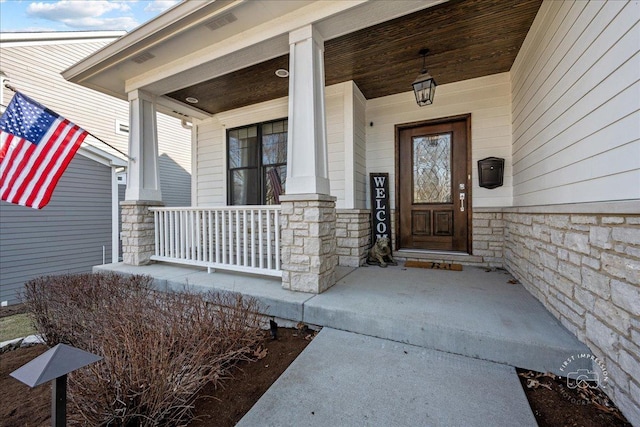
{"type": "Point", "coordinates": [35, 70]}
{"type": "Point", "coordinates": [66, 236]}
{"type": "Point", "coordinates": [487, 99]}
{"type": "Point", "coordinates": [334, 104]}
{"type": "Point", "coordinates": [576, 114]}
{"type": "Point", "coordinates": [360, 148]}
{"type": "Point", "coordinates": [210, 146]}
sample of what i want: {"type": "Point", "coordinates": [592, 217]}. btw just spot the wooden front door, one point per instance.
{"type": "Point", "coordinates": [434, 186]}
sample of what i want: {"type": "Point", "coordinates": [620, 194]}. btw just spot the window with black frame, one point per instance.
{"type": "Point", "coordinates": [257, 163]}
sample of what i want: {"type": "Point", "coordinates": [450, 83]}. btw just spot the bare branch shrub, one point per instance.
{"type": "Point", "coordinates": [159, 348]}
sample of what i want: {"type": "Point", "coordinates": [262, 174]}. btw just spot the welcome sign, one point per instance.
{"type": "Point", "coordinates": [380, 211]}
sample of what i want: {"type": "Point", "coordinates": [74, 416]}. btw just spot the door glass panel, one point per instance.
{"type": "Point", "coordinates": [432, 169]}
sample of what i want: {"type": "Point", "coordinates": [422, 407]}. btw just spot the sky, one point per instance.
{"type": "Point", "coordinates": [78, 15]}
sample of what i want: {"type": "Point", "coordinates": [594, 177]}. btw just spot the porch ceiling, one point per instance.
{"type": "Point", "coordinates": [466, 39]}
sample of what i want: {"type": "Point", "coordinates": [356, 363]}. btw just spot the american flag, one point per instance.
{"type": "Point", "coordinates": [36, 146]}
{"type": "Point", "coordinates": [276, 184]}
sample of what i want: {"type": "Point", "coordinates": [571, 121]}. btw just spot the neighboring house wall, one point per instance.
{"type": "Point", "coordinates": [576, 126]}
{"type": "Point", "coordinates": [34, 68]}
{"type": "Point", "coordinates": [67, 236]}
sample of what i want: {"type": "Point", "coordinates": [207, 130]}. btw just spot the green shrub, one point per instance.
{"type": "Point", "coordinates": [159, 348]}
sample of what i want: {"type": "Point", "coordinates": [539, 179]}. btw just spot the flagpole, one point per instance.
{"type": "Point", "coordinates": [13, 89]}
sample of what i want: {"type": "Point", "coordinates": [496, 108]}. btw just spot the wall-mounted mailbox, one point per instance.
{"type": "Point", "coordinates": [491, 172]}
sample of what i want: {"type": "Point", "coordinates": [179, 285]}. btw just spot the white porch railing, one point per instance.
{"type": "Point", "coordinates": [239, 238]}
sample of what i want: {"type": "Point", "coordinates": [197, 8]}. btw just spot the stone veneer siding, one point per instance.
{"type": "Point", "coordinates": [138, 232]}
{"type": "Point", "coordinates": [353, 236]}
{"type": "Point", "coordinates": [308, 242]}
{"type": "Point", "coordinates": [585, 269]}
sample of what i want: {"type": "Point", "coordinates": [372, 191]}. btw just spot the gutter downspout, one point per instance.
{"type": "Point", "coordinates": [115, 229]}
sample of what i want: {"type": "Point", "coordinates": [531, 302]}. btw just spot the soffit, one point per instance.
{"type": "Point", "coordinates": [466, 39]}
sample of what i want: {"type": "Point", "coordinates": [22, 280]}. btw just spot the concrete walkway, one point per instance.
{"type": "Point", "coordinates": [347, 379]}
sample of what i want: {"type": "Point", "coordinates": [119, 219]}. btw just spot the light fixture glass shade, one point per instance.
{"type": "Point", "coordinates": [424, 88]}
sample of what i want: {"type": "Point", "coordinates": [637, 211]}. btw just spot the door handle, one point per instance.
{"type": "Point", "coordinates": [462, 195]}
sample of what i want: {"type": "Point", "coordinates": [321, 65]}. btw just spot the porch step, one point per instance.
{"type": "Point", "coordinates": [472, 313]}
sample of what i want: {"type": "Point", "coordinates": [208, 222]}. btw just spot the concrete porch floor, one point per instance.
{"type": "Point", "coordinates": [472, 313]}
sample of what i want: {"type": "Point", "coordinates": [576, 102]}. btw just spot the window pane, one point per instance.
{"type": "Point", "coordinates": [243, 148]}
{"type": "Point", "coordinates": [432, 169]}
{"type": "Point", "coordinates": [275, 184]}
{"type": "Point", "coordinates": [274, 148]}
{"type": "Point", "coordinates": [244, 187]}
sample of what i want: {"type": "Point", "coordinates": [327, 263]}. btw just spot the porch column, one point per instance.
{"type": "Point", "coordinates": [308, 165]}
{"type": "Point", "coordinates": [143, 181]}
{"type": "Point", "coordinates": [143, 177]}
{"type": "Point", "coordinates": [308, 238]}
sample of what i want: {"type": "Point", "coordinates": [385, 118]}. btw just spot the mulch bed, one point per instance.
{"type": "Point", "coordinates": [22, 406]}
{"type": "Point", "coordinates": [556, 405]}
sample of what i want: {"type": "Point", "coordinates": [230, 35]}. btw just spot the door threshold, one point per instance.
{"type": "Point", "coordinates": [437, 256]}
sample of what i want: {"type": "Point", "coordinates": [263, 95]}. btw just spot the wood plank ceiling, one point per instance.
{"type": "Point", "coordinates": [466, 39]}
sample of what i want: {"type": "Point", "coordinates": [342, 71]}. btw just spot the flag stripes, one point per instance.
{"type": "Point", "coordinates": [30, 170]}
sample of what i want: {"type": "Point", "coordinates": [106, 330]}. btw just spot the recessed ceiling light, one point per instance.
{"type": "Point", "coordinates": [191, 100]}
{"type": "Point", "coordinates": [281, 72]}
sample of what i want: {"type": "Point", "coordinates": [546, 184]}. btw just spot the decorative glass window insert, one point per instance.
{"type": "Point", "coordinates": [432, 169]}
{"type": "Point", "coordinates": [257, 159]}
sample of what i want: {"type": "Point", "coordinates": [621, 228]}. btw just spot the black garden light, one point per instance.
{"type": "Point", "coordinates": [54, 365]}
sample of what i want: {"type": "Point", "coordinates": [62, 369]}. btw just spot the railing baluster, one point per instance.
{"type": "Point", "coordinates": [276, 214]}
{"type": "Point", "coordinates": [244, 237]}
{"type": "Point", "coordinates": [238, 261]}
{"type": "Point", "coordinates": [253, 238]}
{"type": "Point", "coordinates": [218, 260]}
{"type": "Point", "coordinates": [269, 263]}
{"type": "Point", "coordinates": [260, 243]}
{"type": "Point", "coordinates": [224, 237]}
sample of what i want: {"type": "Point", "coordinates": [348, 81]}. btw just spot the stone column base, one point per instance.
{"type": "Point", "coordinates": [138, 236]}
{"type": "Point", "coordinates": [308, 242]}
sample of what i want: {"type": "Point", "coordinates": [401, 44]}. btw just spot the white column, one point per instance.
{"type": "Point", "coordinates": [307, 161]}
{"type": "Point", "coordinates": [143, 178]}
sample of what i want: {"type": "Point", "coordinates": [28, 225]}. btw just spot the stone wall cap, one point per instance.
{"type": "Point", "coordinates": [141, 203]}
{"type": "Point", "coordinates": [353, 211]}
{"type": "Point", "coordinates": [621, 207]}
{"type": "Point", "coordinates": [307, 197]}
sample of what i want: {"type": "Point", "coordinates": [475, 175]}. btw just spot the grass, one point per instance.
{"type": "Point", "coordinates": [16, 326]}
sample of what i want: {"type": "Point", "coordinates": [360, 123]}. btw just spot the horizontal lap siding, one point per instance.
{"type": "Point", "coordinates": [66, 236]}
{"type": "Point", "coordinates": [210, 154]}
{"type": "Point", "coordinates": [360, 149]}
{"type": "Point", "coordinates": [488, 99]}
{"type": "Point", "coordinates": [36, 69]}
{"type": "Point", "coordinates": [576, 115]}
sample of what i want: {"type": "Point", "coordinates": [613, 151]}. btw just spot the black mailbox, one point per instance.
{"type": "Point", "coordinates": [491, 172]}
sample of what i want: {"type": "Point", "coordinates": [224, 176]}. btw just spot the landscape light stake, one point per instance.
{"type": "Point", "coordinates": [54, 365]}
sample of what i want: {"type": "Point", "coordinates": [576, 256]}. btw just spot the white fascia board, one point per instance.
{"type": "Point", "coordinates": [101, 156]}
{"type": "Point", "coordinates": [272, 32]}
{"type": "Point", "coordinates": [142, 38]}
